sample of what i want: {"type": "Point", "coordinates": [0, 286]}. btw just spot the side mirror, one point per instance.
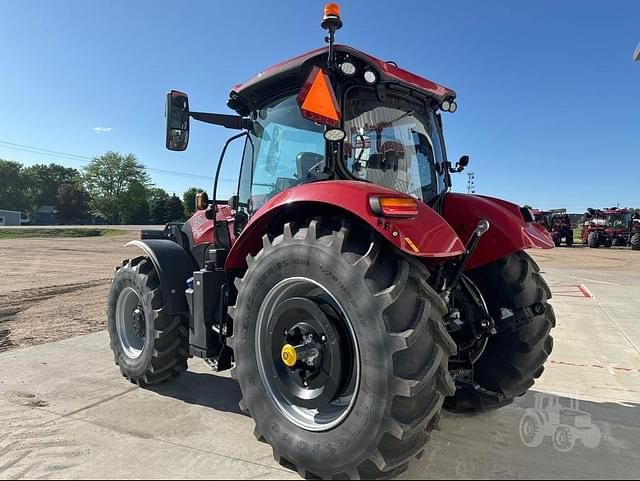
{"type": "Point", "coordinates": [461, 165]}
{"type": "Point", "coordinates": [202, 201]}
{"type": "Point", "coordinates": [177, 118]}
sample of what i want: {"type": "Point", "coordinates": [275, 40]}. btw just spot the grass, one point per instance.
{"type": "Point", "coordinates": [26, 233]}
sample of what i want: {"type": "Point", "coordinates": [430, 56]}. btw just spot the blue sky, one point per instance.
{"type": "Point", "coordinates": [549, 97]}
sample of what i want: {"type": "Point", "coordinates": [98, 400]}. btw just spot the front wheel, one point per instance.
{"type": "Point", "coordinates": [594, 240]}
{"type": "Point", "coordinates": [149, 346]}
{"type": "Point", "coordinates": [341, 352]}
{"type": "Point", "coordinates": [635, 242]}
{"type": "Point", "coordinates": [512, 359]}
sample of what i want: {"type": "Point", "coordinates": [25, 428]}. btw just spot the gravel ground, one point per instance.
{"type": "Point", "coordinates": [53, 289]}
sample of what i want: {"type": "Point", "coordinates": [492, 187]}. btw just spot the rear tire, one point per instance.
{"type": "Point", "coordinates": [153, 347]}
{"type": "Point", "coordinates": [403, 350]}
{"type": "Point", "coordinates": [635, 242]}
{"type": "Point", "coordinates": [569, 238]}
{"type": "Point", "coordinates": [512, 361]}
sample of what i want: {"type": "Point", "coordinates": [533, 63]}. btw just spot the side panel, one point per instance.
{"type": "Point", "coordinates": [174, 267]}
{"type": "Point", "coordinates": [509, 232]}
{"type": "Point", "coordinates": [200, 231]}
{"type": "Point", "coordinates": [201, 228]}
{"type": "Point", "coordinates": [427, 235]}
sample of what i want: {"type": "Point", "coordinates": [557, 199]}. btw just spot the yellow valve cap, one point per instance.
{"type": "Point", "coordinates": [289, 355]}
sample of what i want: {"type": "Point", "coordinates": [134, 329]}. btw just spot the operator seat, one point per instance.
{"type": "Point", "coordinates": [307, 162]}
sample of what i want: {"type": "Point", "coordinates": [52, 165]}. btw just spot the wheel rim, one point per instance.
{"type": "Point", "coordinates": [307, 354]}
{"type": "Point", "coordinates": [130, 323]}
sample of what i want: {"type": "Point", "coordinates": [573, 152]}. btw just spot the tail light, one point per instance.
{"type": "Point", "coordinates": [394, 206]}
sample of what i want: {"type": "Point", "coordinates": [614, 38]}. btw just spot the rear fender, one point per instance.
{"type": "Point", "coordinates": [174, 267]}
{"type": "Point", "coordinates": [509, 231]}
{"type": "Point", "coordinates": [426, 235]}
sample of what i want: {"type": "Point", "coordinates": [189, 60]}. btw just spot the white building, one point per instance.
{"type": "Point", "coordinates": [10, 217]}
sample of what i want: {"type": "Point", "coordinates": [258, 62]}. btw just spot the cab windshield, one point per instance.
{"type": "Point", "coordinates": [393, 143]}
{"type": "Point", "coordinates": [617, 220]}
{"type": "Point", "coordinates": [284, 150]}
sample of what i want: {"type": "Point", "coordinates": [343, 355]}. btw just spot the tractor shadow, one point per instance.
{"type": "Point", "coordinates": [574, 439]}
{"type": "Point", "coordinates": [204, 389]}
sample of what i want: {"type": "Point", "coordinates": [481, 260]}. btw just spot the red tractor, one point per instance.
{"type": "Point", "coordinates": [350, 292]}
{"type": "Point", "coordinates": [561, 228]}
{"type": "Point", "coordinates": [542, 217]}
{"type": "Point", "coordinates": [606, 228]}
{"type": "Point", "coordinates": [558, 223]}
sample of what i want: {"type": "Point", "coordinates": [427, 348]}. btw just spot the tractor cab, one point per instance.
{"type": "Point", "coordinates": [340, 114]}
{"type": "Point", "coordinates": [542, 218]}
{"type": "Point", "coordinates": [334, 113]}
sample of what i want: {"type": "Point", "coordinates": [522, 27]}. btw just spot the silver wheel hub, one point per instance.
{"type": "Point", "coordinates": [130, 323]}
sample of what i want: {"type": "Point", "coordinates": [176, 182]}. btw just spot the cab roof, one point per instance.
{"type": "Point", "coordinates": [245, 97]}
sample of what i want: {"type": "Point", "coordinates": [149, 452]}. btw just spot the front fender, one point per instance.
{"type": "Point", "coordinates": [174, 268]}
{"type": "Point", "coordinates": [509, 232]}
{"type": "Point", "coordinates": [426, 235]}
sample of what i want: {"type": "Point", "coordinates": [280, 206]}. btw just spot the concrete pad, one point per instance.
{"type": "Point", "coordinates": [38, 444]}
{"type": "Point", "coordinates": [64, 376]}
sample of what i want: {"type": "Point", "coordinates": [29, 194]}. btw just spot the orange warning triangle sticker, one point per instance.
{"type": "Point", "coordinates": [317, 99]}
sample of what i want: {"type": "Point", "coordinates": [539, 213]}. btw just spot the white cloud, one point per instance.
{"type": "Point", "coordinates": [102, 130]}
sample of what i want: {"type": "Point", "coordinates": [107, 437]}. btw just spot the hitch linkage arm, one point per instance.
{"type": "Point", "coordinates": [514, 320]}
{"type": "Point", "coordinates": [481, 229]}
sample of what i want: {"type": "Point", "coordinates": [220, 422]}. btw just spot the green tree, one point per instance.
{"type": "Point", "coordinates": [109, 180]}
{"type": "Point", "coordinates": [174, 209]}
{"type": "Point", "coordinates": [72, 202]}
{"type": "Point", "coordinates": [156, 199]}
{"type": "Point", "coordinates": [189, 200]}
{"type": "Point", "coordinates": [137, 209]}
{"type": "Point", "coordinates": [43, 182]}
{"type": "Point", "coordinates": [12, 186]}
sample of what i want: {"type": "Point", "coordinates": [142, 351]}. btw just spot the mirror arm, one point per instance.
{"type": "Point", "coordinates": [229, 121]}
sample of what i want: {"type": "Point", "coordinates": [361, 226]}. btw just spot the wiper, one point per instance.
{"type": "Point", "coordinates": [382, 125]}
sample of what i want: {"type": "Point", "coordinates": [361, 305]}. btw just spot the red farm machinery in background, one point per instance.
{"type": "Point", "coordinates": [558, 223]}
{"type": "Point", "coordinates": [612, 227]}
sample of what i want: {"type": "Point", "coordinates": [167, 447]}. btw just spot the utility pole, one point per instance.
{"type": "Point", "coordinates": [471, 183]}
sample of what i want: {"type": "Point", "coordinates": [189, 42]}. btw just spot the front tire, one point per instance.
{"type": "Point", "coordinates": [149, 346]}
{"type": "Point", "coordinates": [594, 240]}
{"type": "Point", "coordinates": [512, 360]}
{"type": "Point", "coordinates": [384, 329]}
{"type": "Point", "coordinates": [635, 242]}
